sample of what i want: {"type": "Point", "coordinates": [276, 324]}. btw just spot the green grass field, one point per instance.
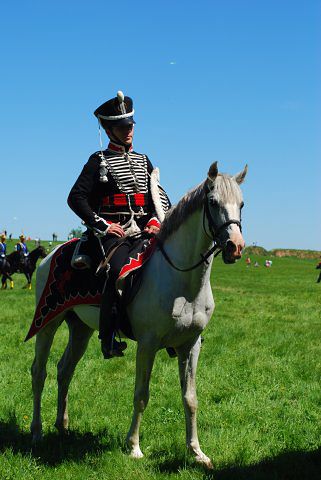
{"type": "Point", "coordinates": [258, 390]}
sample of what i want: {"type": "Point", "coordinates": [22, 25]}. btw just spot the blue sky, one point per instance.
{"type": "Point", "coordinates": [233, 81]}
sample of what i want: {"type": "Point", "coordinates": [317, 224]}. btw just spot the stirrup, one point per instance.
{"type": "Point", "coordinates": [81, 262]}
{"type": "Point", "coordinates": [113, 349]}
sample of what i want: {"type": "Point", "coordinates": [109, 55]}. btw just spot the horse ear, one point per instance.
{"type": "Point", "coordinates": [239, 177]}
{"type": "Point", "coordinates": [213, 171]}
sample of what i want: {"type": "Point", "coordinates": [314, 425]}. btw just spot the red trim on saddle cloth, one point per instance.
{"type": "Point", "coordinates": [120, 199]}
{"type": "Point", "coordinates": [139, 261]}
{"type": "Point", "coordinates": [39, 321]}
{"type": "Point", "coordinates": [153, 222]}
{"type": "Point", "coordinates": [58, 283]}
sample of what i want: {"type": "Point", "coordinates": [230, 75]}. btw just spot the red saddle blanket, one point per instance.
{"type": "Point", "coordinates": [66, 287]}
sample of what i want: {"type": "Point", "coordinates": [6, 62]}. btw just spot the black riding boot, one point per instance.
{"type": "Point", "coordinates": [110, 347]}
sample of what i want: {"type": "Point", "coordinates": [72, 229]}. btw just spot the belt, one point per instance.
{"type": "Point", "coordinates": [121, 200]}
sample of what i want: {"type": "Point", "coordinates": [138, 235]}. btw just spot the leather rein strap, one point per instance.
{"type": "Point", "coordinates": [203, 259]}
{"type": "Point", "coordinates": [214, 235]}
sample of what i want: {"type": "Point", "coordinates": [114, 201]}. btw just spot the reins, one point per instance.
{"type": "Point", "coordinates": [203, 258]}
{"type": "Point", "coordinates": [214, 236]}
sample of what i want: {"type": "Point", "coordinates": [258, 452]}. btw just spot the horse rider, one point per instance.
{"type": "Point", "coordinates": [22, 249]}
{"type": "Point", "coordinates": [114, 196]}
{"type": "Point", "coordinates": [318, 267]}
{"type": "Point", "coordinates": [3, 247]}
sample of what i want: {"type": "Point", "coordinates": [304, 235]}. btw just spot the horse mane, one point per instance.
{"type": "Point", "coordinates": [12, 255]}
{"type": "Point", "coordinates": [224, 190]}
{"type": "Point", "coordinates": [188, 204]}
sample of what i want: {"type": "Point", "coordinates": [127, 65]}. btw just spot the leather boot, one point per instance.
{"type": "Point", "coordinates": [110, 347]}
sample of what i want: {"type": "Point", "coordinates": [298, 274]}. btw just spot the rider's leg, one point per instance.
{"type": "Point", "coordinates": [108, 321]}
{"type": "Point", "coordinates": [80, 259]}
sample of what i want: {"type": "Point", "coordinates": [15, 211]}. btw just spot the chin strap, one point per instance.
{"type": "Point", "coordinates": [127, 147]}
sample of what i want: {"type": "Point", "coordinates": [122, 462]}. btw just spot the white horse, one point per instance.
{"type": "Point", "coordinates": [171, 308]}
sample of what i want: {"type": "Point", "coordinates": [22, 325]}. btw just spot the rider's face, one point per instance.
{"type": "Point", "coordinates": [124, 133]}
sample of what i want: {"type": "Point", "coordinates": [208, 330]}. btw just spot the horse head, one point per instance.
{"type": "Point", "coordinates": [223, 207]}
{"type": "Point", "coordinates": [42, 251]}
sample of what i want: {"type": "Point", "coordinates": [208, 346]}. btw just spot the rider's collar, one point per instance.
{"type": "Point", "coordinates": [116, 147]}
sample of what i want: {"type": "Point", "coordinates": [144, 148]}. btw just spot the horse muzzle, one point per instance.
{"type": "Point", "coordinates": [232, 251]}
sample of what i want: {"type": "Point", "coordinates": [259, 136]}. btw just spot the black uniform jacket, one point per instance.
{"type": "Point", "coordinates": [90, 193]}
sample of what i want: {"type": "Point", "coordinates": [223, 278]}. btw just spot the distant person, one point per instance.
{"type": "Point", "coordinates": [10, 237]}
{"type": "Point", "coordinates": [256, 264]}
{"type": "Point", "coordinates": [248, 262]}
{"type": "Point", "coordinates": [3, 247]}
{"type": "Point", "coordinates": [268, 263]}
{"type": "Point", "coordinates": [22, 249]}
{"type": "Point", "coordinates": [318, 267]}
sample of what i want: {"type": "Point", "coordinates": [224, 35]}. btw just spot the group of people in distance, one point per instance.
{"type": "Point", "coordinates": [20, 247]}
{"type": "Point", "coordinates": [267, 263]}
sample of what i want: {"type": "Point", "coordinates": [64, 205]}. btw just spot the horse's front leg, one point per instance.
{"type": "Point", "coordinates": [144, 363]}
{"type": "Point", "coordinates": [187, 361]}
{"type": "Point", "coordinates": [28, 276]}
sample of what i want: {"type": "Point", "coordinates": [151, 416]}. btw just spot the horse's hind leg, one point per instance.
{"type": "Point", "coordinates": [187, 362]}
{"type": "Point", "coordinates": [79, 336]}
{"type": "Point", "coordinates": [28, 277]}
{"type": "Point", "coordinates": [144, 363]}
{"type": "Point", "coordinates": [38, 372]}
{"type": "Point", "coordinates": [4, 282]}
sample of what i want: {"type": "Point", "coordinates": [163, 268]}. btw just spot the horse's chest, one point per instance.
{"type": "Point", "coordinates": [191, 315]}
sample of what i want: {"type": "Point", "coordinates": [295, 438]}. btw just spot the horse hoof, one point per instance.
{"type": "Point", "coordinates": [36, 439]}
{"type": "Point", "coordinates": [62, 428]}
{"type": "Point", "coordinates": [204, 461]}
{"type": "Point", "coordinates": [136, 453]}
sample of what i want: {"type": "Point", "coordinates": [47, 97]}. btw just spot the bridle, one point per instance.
{"type": "Point", "coordinates": [214, 235]}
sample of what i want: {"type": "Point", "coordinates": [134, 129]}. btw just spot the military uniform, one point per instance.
{"type": "Point", "coordinates": [23, 251]}
{"type": "Point", "coordinates": [22, 248]}
{"type": "Point", "coordinates": [3, 249]}
{"type": "Point", "coordinates": [117, 192]}
{"type": "Point", "coordinates": [115, 187]}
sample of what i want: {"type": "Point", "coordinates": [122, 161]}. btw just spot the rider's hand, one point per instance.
{"type": "Point", "coordinates": [152, 230]}
{"type": "Point", "coordinates": [116, 229]}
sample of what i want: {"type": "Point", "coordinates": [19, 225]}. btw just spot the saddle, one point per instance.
{"type": "Point", "coordinates": [66, 287]}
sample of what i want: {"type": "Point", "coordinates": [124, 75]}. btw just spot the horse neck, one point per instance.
{"type": "Point", "coordinates": [34, 255]}
{"type": "Point", "coordinates": [185, 247]}
{"type": "Point", "coordinates": [12, 256]}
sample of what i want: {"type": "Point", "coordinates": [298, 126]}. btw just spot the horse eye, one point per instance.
{"type": "Point", "coordinates": [213, 202]}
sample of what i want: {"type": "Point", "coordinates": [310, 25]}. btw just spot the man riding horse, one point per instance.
{"type": "Point", "coordinates": [115, 196]}
{"type": "Point", "coordinates": [22, 249]}
{"type": "Point", "coordinates": [3, 248]}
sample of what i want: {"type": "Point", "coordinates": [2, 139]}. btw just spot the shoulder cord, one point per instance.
{"type": "Point", "coordinates": [103, 164]}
